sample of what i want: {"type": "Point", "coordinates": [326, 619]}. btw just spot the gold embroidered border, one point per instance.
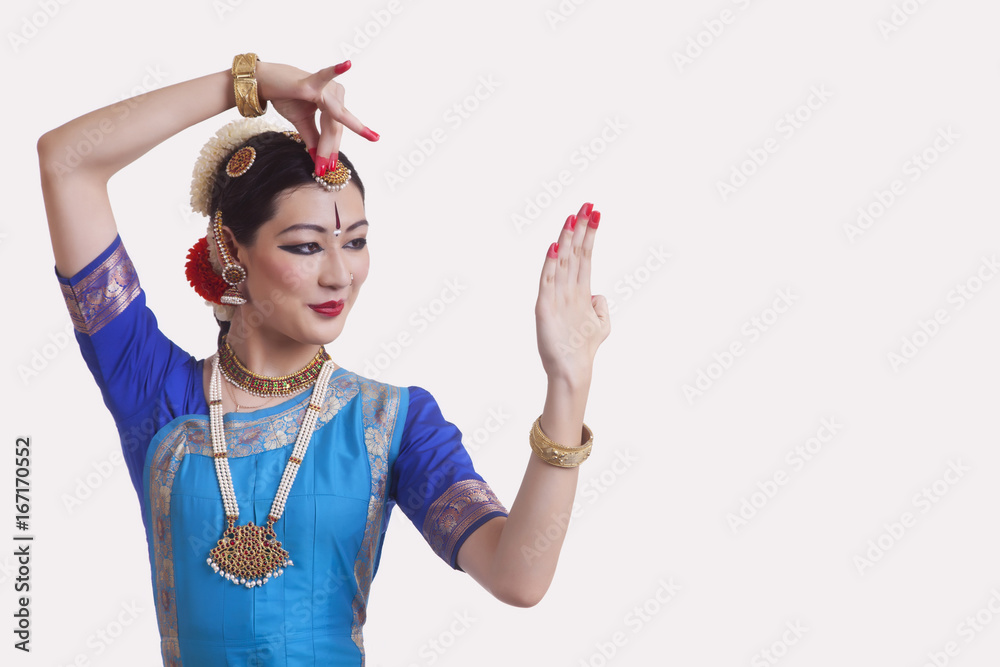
{"type": "Point", "coordinates": [192, 436]}
{"type": "Point", "coordinates": [104, 293]}
{"type": "Point", "coordinates": [380, 406]}
{"type": "Point", "coordinates": [455, 511]}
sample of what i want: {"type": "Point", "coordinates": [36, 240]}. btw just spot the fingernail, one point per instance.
{"type": "Point", "coordinates": [595, 219]}
{"type": "Point", "coordinates": [587, 208]}
{"type": "Point", "coordinates": [553, 250]}
{"type": "Point", "coordinates": [570, 223]}
{"type": "Point", "coordinates": [321, 163]}
{"type": "Point", "coordinates": [333, 162]}
{"type": "Point", "coordinates": [370, 134]}
{"type": "Point", "coordinates": [342, 67]}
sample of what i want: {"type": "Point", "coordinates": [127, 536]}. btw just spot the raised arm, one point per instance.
{"type": "Point", "coordinates": [503, 555]}
{"type": "Point", "coordinates": [81, 223]}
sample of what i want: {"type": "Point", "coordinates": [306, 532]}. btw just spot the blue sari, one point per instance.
{"type": "Point", "coordinates": [375, 446]}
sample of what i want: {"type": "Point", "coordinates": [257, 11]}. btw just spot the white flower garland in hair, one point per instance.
{"type": "Point", "coordinates": [218, 149]}
{"type": "Point", "coordinates": [215, 150]}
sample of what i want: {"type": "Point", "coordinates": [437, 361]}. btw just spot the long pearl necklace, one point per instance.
{"type": "Point", "coordinates": [250, 555]}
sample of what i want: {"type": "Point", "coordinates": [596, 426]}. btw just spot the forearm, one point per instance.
{"type": "Point", "coordinates": [120, 133]}
{"type": "Point", "coordinates": [524, 562]}
{"type": "Point", "coordinates": [77, 159]}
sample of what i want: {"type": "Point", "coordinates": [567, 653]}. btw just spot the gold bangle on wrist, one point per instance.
{"type": "Point", "coordinates": [245, 85]}
{"type": "Point", "coordinates": [556, 454]}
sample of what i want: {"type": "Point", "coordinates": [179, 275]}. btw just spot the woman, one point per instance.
{"type": "Point", "coordinates": [281, 478]}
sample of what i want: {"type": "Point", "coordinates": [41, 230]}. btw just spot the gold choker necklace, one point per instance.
{"type": "Point", "coordinates": [262, 385]}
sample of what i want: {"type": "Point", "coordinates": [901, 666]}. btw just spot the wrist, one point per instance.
{"type": "Point", "coordinates": [571, 383]}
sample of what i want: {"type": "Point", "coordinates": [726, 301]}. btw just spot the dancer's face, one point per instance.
{"type": "Point", "coordinates": [297, 266]}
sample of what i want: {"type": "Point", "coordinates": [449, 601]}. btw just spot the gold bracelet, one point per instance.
{"type": "Point", "coordinates": [556, 454]}
{"type": "Point", "coordinates": [245, 85]}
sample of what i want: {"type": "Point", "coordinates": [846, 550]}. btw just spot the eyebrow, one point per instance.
{"type": "Point", "coordinates": [318, 228]}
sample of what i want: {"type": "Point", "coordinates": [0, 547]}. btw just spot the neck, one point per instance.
{"type": "Point", "coordinates": [266, 352]}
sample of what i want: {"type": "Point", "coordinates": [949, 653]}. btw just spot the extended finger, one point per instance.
{"type": "Point", "coordinates": [308, 133]}
{"type": "Point", "coordinates": [327, 74]}
{"type": "Point", "coordinates": [329, 143]}
{"type": "Point", "coordinates": [546, 281]}
{"type": "Point", "coordinates": [587, 249]}
{"type": "Point", "coordinates": [570, 240]}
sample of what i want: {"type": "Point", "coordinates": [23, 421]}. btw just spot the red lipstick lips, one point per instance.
{"type": "Point", "coordinates": [330, 308]}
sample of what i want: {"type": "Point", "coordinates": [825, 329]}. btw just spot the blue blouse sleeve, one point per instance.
{"type": "Point", "coordinates": [434, 482]}
{"type": "Point", "coordinates": [128, 355]}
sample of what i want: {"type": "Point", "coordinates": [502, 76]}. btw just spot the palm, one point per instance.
{"type": "Point", "coordinates": [571, 323]}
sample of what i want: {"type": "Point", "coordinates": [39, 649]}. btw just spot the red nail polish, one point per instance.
{"type": "Point", "coordinates": [342, 67]}
{"type": "Point", "coordinates": [588, 208]}
{"type": "Point", "coordinates": [570, 223]}
{"type": "Point", "coordinates": [312, 153]}
{"type": "Point", "coordinates": [370, 134]}
{"type": "Point", "coordinates": [333, 162]}
{"type": "Point", "coordinates": [595, 219]}
{"type": "Point", "coordinates": [321, 163]}
{"type": "Point", "coordinates": [553, 250]}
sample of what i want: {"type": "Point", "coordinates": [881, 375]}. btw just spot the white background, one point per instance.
{"type": "Point", "coordinates": [685, 462]}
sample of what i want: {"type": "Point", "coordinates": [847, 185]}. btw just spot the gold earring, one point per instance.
{"type": "Point", "coordinates": [232, 272]}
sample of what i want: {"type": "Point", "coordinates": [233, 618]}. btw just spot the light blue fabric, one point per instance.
{"type": "Point", "coordinates": [375, 446]}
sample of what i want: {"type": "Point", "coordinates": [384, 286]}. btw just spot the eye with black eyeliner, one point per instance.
{"type": "Point", "coordinates": [301, 248]}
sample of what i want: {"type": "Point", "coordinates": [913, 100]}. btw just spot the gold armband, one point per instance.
{"type": "Point", "coordinates": [554, 453]}
{"type": "Point", "coordinates": [245, 85]}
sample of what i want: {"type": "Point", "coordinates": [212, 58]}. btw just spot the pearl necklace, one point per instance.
{"type": "Point", "coordinates": [250, 555]}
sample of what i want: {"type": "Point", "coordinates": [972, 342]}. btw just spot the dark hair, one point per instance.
{"type": "Point", "coordinates": [248, 201]}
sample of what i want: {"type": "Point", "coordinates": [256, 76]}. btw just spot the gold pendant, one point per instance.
{"type": "Point", "coordinates": [249, 555]}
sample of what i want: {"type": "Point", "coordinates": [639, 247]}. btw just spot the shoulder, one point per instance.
{"type": "Point", "coordinates": [408, 394]}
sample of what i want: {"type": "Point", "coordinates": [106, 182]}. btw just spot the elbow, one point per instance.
{"type": "Point", "coordinates": [48, 147]}
{"type": "Point", "coordinates": [520, 596]}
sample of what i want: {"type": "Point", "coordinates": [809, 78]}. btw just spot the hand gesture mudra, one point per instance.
{"type": "Point", "coordinates": [297, 95]}
{"type": "Point", "coordinates": [571, 322]}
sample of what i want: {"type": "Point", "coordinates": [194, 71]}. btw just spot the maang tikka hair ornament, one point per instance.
{"type": "Point", "coordinates": [210, 267]}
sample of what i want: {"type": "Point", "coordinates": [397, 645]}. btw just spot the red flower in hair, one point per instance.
{"type": "Point", "coordinates": [206, 282]}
